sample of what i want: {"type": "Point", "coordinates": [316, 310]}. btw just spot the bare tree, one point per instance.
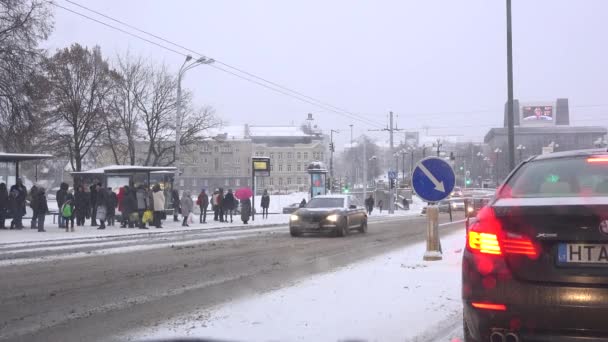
{"type": "Point", "coordinates": [81, 83]}
{"type": "Point", "coordinates": [158, 104]}
{"type": "Point", "coordinates": [23, 24]}
{"type": "Point", "coordinates": [125, 107]}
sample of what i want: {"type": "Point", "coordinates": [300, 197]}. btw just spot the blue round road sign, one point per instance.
{"type": "Point", "coordinates": [433, 179]}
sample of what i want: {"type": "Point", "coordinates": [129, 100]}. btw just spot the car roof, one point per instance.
{"type": "Point", "coordinates": [574, 153]}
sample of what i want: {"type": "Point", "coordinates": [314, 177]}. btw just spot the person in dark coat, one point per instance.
{"type": "Point", "coordinates": [112, 204]}
{"type": "Point", "coordinates": [60, 197]}
{"type": "Point", "coordinates": [380, 204]}
{"type": "Point", "coordinates": [369, 204]}
{"type": "Point", "coordinates": [3, 205]}
{"type": "Point", "coordinates": [20, 194]}
{"type": "Point", "coordinates": [129, 208]}
{"type": "Point", "coordinates": [228, 204]}
{"type": "Point", "coordinates": [81, 205]}
{"type": "Point", "coordinates": [220, 204]}
{"type": "Point", "coordinates": [203, 203]}
{"type": "Point", "coordinates": [303, 203]}
{"type": "Point", "coordinates": [142, 197]}
{"type": "Point", "coordinates": [32, 198]}
{"type": "Point", "coordinates": [42, 208]}
{"type": "Point", "coordinates": [265, 204]}
{"type": "Point", "coordinates": [102, 202]}
{"type": "Point", "coordinates": [176, 204]}
{"type": "Point", "coordinates": [245, 210]}
{"type": "Point", "coordinates": [93, 204]}
{"type": "Point", "coordinates": [69, 220]}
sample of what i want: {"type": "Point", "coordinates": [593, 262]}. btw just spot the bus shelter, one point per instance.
{"type": "Point", "coordinates": [117, 176]}
{"type": "Point", "coordinates": [10, 162]}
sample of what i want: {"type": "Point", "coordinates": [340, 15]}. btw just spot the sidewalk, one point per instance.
{"type": "Point", "coordinates": [28, 235]}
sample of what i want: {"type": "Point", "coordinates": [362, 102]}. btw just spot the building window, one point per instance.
{"type": "Point", "coordinates": [305, 155]}
{"type": "Point", "coordinates": [181, 182]}
{"type": "Point", "coordinates": [299, 155]}
{"type": "Point", "coordinates": [299, 180]}
{"type": "Point", "coordinates": [288, 167]}
{"type": "Point", "coordinates": [236, 149]}
{"type": "Point", "coordinates": [216, 149]}
{"type": "Point", "coordinates": [271, 167]}
{"type": "Point", "coordinates": [280, 155]}
{"type": "Point", "coordinates": [288, 180]}
{"type": "Point", "coordinates": [205, 160]}
{"type": "Point", "coordinates": [280, 181]}
{"type": "Point", "coordinates": [216, 163]}
{"type": "Point", "coordinates": [237, 182]}
{"type": "Point", "coordinates": [238, 162]}
{"type": "Point", "coordinates": [206, 148]}
{"type": "Point", "coordinates": [321, 155]}
{"type": "Point", "coordinates": [289, 155]}
{"type": "Point", "coordinates": [271, 181]}
{"type": "Point", "coordinates": [271, 155]}
{"type": "Point", "coordinates": [298, 167]}
{"type": "Point", "coordinates": [280, 167]}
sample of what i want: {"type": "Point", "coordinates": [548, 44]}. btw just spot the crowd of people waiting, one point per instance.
{"type": "Point", "coordinates": [137, 206]}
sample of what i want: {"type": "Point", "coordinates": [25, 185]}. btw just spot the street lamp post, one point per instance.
{"type": "Point", "coordinates": [187, 65]}
{"type": "Point", "coordinates": [496, 151]}
{"type": "Point", "coordinates": [521, 148]}
{"type": "Point", "coordinates": [331, 158]}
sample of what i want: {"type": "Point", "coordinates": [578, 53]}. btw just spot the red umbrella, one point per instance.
{"type": "Point", "coordinates": [243, 193]}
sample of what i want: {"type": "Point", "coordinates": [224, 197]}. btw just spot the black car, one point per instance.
{"type": "Point", "coordinates": [329, 213]}
{"type": "Point", "coordinates": [535, 267]}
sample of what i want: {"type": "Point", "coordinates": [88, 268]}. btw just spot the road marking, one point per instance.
{"type": "Point", "coordinates": [438, 185]}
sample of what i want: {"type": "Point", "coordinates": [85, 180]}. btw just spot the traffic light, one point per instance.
{"type": "Point", "coordinates": [345, 190]}
{"type": "Point", "coordinates": [461, 168]}
{"type": "Point", "coordinates": [392, 183]}
{"type": "Point", "coordinates": [332, 147]}
{"type": "Point", "coordinates": [467, 181]}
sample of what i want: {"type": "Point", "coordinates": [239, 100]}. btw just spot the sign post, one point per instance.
{"type": "Point", "coordinates": [260, 167]}
{"type": "Point", "coordinates": [433, 180]}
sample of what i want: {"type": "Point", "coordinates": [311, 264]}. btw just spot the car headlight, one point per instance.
{"type": "Point", "coordinates": [453, 205]}
{"type": "Point", "coordinates": [470, 209]}
{"type": "Point", "coordinates": [293, 218]}
{"type": "Point", "coordinates": [332, 218]}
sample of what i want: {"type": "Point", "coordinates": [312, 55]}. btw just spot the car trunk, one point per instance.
{"type": "Point", "coordinates": [563, 230]}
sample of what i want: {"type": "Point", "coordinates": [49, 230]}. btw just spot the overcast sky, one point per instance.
{"type": "Point", "coordinates": [436, 64]}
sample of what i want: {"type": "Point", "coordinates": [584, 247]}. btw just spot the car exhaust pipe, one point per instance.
{"type": "Point", "coordinates": [497, 336]}
{"type": "Point", "coordinates": [511, 337]}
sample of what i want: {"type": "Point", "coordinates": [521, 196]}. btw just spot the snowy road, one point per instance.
{"type": "Point", "coordinates": [92, 289]}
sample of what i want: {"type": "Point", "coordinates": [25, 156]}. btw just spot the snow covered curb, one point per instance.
{"type": "Point", "coordinates": [392, 297]}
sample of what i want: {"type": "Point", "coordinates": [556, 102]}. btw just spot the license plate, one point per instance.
{"type": "Point", "coordinates": [582, 253]}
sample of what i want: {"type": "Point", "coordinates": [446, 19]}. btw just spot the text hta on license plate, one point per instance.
{"type": "Point", "coordinates": [582, 253]}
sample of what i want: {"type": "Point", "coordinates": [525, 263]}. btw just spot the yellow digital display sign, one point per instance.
{"type": "Point", "coordinates": [260, 165]}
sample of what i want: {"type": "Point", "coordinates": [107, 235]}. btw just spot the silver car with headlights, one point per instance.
{"type": "Point", "coordinates": [338, 214]}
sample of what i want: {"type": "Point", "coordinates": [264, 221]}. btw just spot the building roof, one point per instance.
{"type": "Point", "coordinates": [545, 130]}
{"type": "Point", "coordinates": [277, 131]}
{"type": "Point", "coordinates": [125, 168]}
{"type": "Point", "coordinates": [232, 132]}
{"type": "Point", "coordinates": [15, 157]}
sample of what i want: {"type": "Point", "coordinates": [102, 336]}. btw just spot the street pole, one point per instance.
{"type": "Point", "coordinates": [351, 135]}
{"type": "Point", "coordinates": [391, 204]}
{"type": "Point", "coordinates": [365, 161]}
{"type": "Point", "coordinates": [411, 168]}
{"type": "Point", "coordinates": [331, 158]}
{"type": "Point", "coordinates": [510, 119]}
{"type": "Point", "coordinates": [178, 110]}
{"type": "Point", "coordinates": [403, 166]}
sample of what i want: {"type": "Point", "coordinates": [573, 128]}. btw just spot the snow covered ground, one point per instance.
{"type": "Point", "coordinates": [392, 297]}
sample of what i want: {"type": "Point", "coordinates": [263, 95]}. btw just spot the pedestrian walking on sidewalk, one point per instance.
{"type": "Point", "coordinates": [186, 203]}
{"type": "Point", "coordinates": [203, 203]}
{"type": "Point", "coordinates": [66, 211]}
{"type": "Point", "coordinates": [220, 204]}
{"type": "Point", "coordinates": [3, 205]}
{"type": "Point", "coordinates": [229, 203]}
{"type": "Point", "coordinates": [380, 204]}
{"type": "Point", "coordinates": [111, 204]}
{"type": "Point", "coordinates": [216, 210]}
{"type": "Point", "coordinates": [245, 210]}
{"type": "Point", "coordinates": [93, 202]}
{"type": "Point", "coordinates": [265, 204]}
{"type": "Point", "coordinates": [120, 198]}
{"type": "Point", "coordinates": [19, 193]}
{"type": "Point", "coordinates": [176, 205]}
{"type": "Point", "coordinates": [42, 208]}
{"type": "Point", "coordinates": [129, 206]}
{"type": "Point", "coordinates": [369, 204]}
{"type": "Point", "coordinates": [60, 196]}
{"type": "Point", "coordinates": [32, 198]}
{"type": "Point", "coordinates": [102, 203]}
{"type": "Point", "coordinates": [303, 203]}
{"type": "Point", "coordinates": [158, 197]}
{"type": "Point", "coordinates": [81, 205]}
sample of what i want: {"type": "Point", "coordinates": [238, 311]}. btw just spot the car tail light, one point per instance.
{"type": "Point", "coordinates": [489, 306]}
{"type": "Point", "coordinates": [597, 160]}
{"type": "Point", "coordinates": [486, 236]}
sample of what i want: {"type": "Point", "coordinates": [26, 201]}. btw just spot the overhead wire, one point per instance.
{"type": "Point", "coordinates": [285, 90]}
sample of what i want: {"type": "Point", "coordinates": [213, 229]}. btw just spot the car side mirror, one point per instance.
{"type": "Point", "coordinates": [352, 206]}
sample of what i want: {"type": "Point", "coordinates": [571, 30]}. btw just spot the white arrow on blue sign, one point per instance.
{"type": "Point", "coordinates": [392, 175]}
{"type": "Point", "coordinates": [433, 179]}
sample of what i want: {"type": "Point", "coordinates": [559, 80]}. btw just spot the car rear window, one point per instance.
{"type": "Point", "coordinates": [560, 177]}
{"type": "Point", "coordinates": [326, 203]}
